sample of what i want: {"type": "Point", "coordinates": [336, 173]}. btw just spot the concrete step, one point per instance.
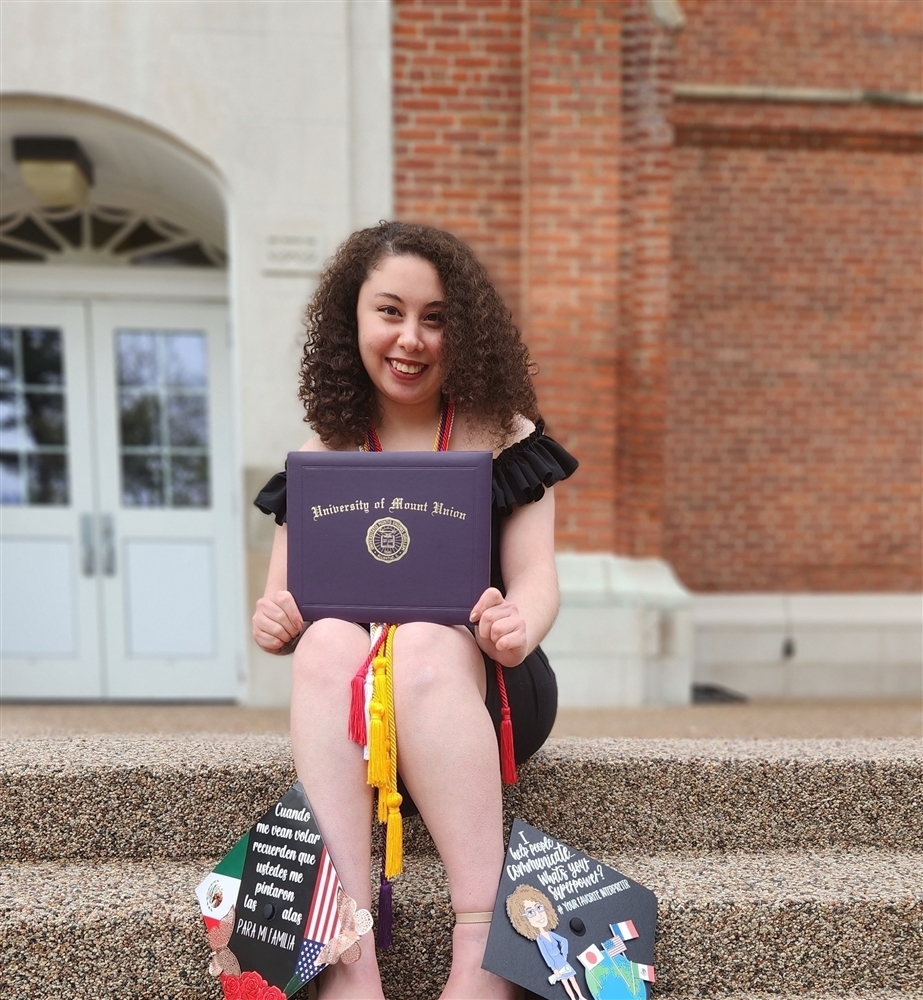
{"type": "Point", "coordinates": [830, 924]}
{"type": "Point", "coordinates": [183, 797]}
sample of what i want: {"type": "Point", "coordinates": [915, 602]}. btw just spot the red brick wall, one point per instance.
{"type": "Point", "coordinates": [528, 175]}
{"type": "Point", "coordinates": [794, 436]}
{"type": "Point", "coordinates": [842, 44]}
{"type": "Point", "coordinates": [458, 116]}
{"type": "Point", "coordinates": [724, 298]}
{"type": "Point", "coordinates": [645, 168]}
{"type": "Point", "coordinates": [571, 248]}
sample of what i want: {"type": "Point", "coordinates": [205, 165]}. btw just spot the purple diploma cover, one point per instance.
{"type": "Point", "coordinates": [389, 536]}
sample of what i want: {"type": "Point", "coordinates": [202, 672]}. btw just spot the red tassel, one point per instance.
{"type": "Point", "coordinates": [507, 753]}
{"type": "Point", "coordinates": [357, 730]}
{"type": "Point", "coordinates": [507, 757]}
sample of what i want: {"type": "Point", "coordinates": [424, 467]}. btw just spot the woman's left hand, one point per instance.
{"type": "Point", "coordinates": [500, 628]}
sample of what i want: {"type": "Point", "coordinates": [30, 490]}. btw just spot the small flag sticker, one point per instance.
{"type": "Point", "coordinates": [625, 930]}
{"type": "Point", "coordinates": [646, 972]}
{"type": "Point", "coordinates": [591, 957]}
{"type": "Point", "coordinates": [614, 946]}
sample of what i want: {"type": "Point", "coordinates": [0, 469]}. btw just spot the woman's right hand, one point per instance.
{"type": "Point", "coordinates": [277, 622]}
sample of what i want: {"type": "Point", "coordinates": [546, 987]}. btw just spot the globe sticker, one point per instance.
{"type": "Point", "coordinates": [387, 540]}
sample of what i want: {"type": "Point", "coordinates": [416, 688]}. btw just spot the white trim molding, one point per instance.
{"type": "Point", "coordinates": [623, 636]}
{"type": "Point", "coordinates": [783, 646]}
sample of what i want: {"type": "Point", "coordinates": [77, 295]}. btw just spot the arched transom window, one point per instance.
{"type": "Point", "coordinates": [104, 235]}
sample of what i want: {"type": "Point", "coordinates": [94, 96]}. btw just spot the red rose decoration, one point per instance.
{"type": "Point", "coordinates": [272, 993]}
{"type": "Point", "coordinates": [252, 985]}
{"type": "Point", "coordinates": [231, 987]}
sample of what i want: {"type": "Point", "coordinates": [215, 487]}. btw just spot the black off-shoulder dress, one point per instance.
{"type": "Point", "coordinates": [521, 474]}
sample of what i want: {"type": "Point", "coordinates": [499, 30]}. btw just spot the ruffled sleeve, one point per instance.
{"type": "Point", "coordinates": [272, 497]}
{"type": "Point", "coordinates": [522, 472]}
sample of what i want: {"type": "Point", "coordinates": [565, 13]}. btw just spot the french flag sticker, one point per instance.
{"type": "Point", "coordinates": [646, 972]}
{"type": "Point", "coordinates": [625, 930]}
{"type": "Point", "coordinates": [591, 957]}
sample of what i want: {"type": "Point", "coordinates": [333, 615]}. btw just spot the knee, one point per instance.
{"type": "Point", "coordinates": [329, 649]}
{"type": "Point", "coordinates": [423, 659]}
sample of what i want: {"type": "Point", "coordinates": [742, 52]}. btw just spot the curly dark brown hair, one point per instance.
{"type": "Point", "coordinates": [486, 366]}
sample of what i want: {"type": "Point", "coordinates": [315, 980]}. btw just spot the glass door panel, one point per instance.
{"type": "Point", "coordinates": [171, 599]}
{"type": "Point", "coordinates": [163, 418]}
{"type": "Point", "coordinates": [49, 629]}
{"type": "Point", "coordinates": [33, 422]}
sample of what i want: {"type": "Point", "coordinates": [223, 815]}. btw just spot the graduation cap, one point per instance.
{"type": "Point", "coordinates": [567, 927]}
{"type": "Point", "coordinates": [274, 909]}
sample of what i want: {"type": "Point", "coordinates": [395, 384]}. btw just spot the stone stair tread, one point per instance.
{"type": "Point", "coordinates": [61, 891]}
{"type": "Point", "coordinates": [770, 878]}
{"type": "Point", "coordinates": [846, 921]}
{"type": "Point", "coordinates": [186, 751]}
{"type": "Point", "coordinates": [163, 797]}
{"type": "Point", "coordinates": [838, 923]}
{"type": "Point", "coordinates": [881, 749]}
{"type": "Point", "coordinates": [121, 929]}
{"type": "Point", "coordinates": [776, 877]}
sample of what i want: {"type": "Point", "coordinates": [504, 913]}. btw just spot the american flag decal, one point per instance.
{"type": "Point", "coordinates": [305, 967]}
{"type": "Point", "coordinates": [323, 922]}
{"type": "Point", "coordinates": [614, 946]}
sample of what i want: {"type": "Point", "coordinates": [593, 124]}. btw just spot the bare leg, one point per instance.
{"type": "Point", "coordinates": [447, 754]}
{"type": "Point", "coordinates": [333, 773]}
{"type": "Point", "coordinates": [573, 989]}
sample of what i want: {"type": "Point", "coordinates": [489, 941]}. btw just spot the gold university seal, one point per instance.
{"type": "Point", "coordinates": [387, 540]}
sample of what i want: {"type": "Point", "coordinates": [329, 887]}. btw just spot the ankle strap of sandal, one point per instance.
{"type": "Point", "coordinates": [481, 917]}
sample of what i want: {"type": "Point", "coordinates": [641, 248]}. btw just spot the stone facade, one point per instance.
{"type": "Point", "coordinates": [704, 215]}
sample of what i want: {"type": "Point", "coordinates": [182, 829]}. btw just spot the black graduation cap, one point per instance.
{"type": "Point", "coordinates": [274, 909]}
{"type": "Point", "coordinates": [566, 926]}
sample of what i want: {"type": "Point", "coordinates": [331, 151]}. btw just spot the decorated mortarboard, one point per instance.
{"type": "Point", "coordinates": [567, 927]}
{"type": "Point", "coordinates": [274, 909]}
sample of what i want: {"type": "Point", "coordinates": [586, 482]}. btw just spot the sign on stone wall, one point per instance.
{"type": "Point", "coordinates": [291, 251]}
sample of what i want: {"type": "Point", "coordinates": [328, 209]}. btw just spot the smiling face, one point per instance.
{"type": "Point", "coordinates": [400, 315]}
{"type": "Point", "coordinates": [535, 913]}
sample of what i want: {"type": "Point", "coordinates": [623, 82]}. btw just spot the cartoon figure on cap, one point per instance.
{"type": "Point", "coordinates": [533, 916]}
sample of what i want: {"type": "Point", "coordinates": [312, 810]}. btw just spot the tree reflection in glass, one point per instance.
{"type": "Point", "coordinates": [142, 481]}
{"type": "Point", "coordinates": [47, 479]}
{"type": "Point", "coordinates": [33, 417]}
{"type": "Point", "coordinates": [139, 419]}
{"type": "Point", "coordinates": [163, 418]}
{"type": "Point", "coordinates": [137, 358]}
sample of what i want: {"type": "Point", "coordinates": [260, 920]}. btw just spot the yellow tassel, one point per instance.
{"type": "Point", "coordinates": [379, 765]}
{"type": "Point", "coordinates": [379, 771]}
{"type": "Point", "coordinates": [388, 719]}
{"type": "Point", "coordinates": [394, 848]}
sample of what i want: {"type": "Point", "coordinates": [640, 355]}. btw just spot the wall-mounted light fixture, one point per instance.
{"type": "Point", "coordinates": [55, 169]}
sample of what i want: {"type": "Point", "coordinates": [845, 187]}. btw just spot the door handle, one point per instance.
{"type": "Point", "coordinates": [107, 542]}
{"type": "Point", "coordinates": [87, 545]}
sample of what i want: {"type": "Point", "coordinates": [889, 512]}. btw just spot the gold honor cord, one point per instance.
{"type": "Point", "coordinates": [381, 735]}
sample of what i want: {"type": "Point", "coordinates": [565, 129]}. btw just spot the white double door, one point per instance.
{"type": "Point", "coordinates": [119, 555]}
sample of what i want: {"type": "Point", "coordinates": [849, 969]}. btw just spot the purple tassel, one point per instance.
{"type": "Point", "coordinates": [385, 914]}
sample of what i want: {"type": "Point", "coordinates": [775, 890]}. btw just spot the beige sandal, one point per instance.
{"type": "Point", "coordinates": [479, 917]}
